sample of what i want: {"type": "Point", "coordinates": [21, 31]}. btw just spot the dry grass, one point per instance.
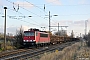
{"type": "Point", "coordinates": [74, 52]}
{"type": "Point", "coordinates": [8, 46]}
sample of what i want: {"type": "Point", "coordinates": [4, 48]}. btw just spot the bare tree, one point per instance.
{"type": "Point", "coordinates": [72, 34]}
{"type": "Point", "coordinates": [19, 38]}
{"type": "Point", "coordinates": [87, 38]}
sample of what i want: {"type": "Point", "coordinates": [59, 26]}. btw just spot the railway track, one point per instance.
{"type": "Point", "coordinates": [6, 53]}
{"type": "Point", "coordinates": [27, 53]}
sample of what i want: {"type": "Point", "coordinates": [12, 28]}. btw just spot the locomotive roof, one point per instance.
{"type": "Point", "coordinates": [37, 31]}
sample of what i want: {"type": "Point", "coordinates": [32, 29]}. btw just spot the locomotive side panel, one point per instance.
{"type": "Point", "coordinates": [37, 36]}
{"type": "Point", "coordinates": [42, 37]}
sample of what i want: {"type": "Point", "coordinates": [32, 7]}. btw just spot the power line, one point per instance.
{"type": "Point", "coordinates": [49, 4]}
{"type": "Point", "coordinates": [71, 5]}
{"type": "Point", "coordinates": [27, 10]}
{"type": "Point", "coordinates": [28, 22]}
{"type": "Point", "coordinates": [22, 20]}
{"type": "Point", "coordinates": [37, 6]}
{"type": "Point", "coordinates": [41, 16]}
{"type": "Point", "coordinates": [20, 17]}
{"type": "Point", "coordinates": [74, 14]}
{"type": "Point", "coordinates": [23, 17]}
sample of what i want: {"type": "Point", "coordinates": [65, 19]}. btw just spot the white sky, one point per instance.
{"type": "Point", "coordinates": [71, 13]}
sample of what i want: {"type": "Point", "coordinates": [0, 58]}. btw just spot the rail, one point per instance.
{"type": "Point", "coordinates": [27, 53]}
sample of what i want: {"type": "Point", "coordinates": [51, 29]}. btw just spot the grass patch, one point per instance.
{"type": "Point", "coordinates": [74, 52]}
{"type": "Point", "coordinates": [8, 46]}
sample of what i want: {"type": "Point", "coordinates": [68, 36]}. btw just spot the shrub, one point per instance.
{"type": "Point", "coordinates": [69, 53]}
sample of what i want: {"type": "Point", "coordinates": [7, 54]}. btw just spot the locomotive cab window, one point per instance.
{"type": "Point", "coordinates": [29, 34]}
{"type": "Point", "coordinates": [43, 35]}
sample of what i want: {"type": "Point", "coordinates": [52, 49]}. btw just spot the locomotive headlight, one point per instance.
{"type": "Point", "coordinates": [31, 40]}
{"type": "Point", "coordinates": [24, 40]}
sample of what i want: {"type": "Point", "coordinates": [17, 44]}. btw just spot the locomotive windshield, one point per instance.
{"type": "Point", "coordinates": [29, 34]}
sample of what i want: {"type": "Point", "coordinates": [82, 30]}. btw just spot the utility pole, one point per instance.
{"type": "Point", "coordinates": [5, 29]}
{"type": "Point", "coordinates": [72, 34]}
{"type": "Point", "coordinates": [80, 35]}
{"type": "Point", "coordinates": [86, 27]}
{"type": "Point", "coordinates": [58, 29]}
{"type": "Point", "coordinates": [49, 22]}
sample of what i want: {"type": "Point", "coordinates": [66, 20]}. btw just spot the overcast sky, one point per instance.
{"type": "Point", "coordinates": [71, 13]}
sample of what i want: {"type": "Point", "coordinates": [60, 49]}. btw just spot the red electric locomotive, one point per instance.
{"type": "Point", "coordinates": [35, 37]}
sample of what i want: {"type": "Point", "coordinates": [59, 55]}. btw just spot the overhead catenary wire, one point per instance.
{"type": "Point", "coordinates": [28, 22]}
{"type": "Point", "coordinates": [22, 15]}
{"type": "Point", "coordinates": [23, 20]}
{"type": "Point", "coordinates": [20, 18]}
{"type": "Point", "coordinates": [37, 6]}
{"type": "Point", "coordinates": [71, 5]}
{"type": "Point", "coordinates": [39, 16]}
{"type": "Point", "coordinates": [28, 10]}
